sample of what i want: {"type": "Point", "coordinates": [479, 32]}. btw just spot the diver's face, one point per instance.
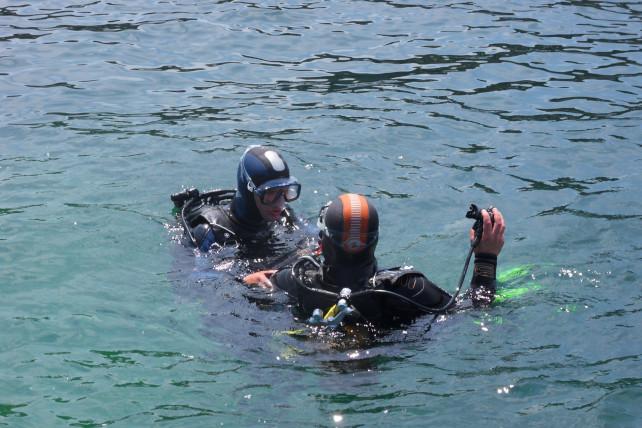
{"type": "Point", "coordinates": [272, 211]}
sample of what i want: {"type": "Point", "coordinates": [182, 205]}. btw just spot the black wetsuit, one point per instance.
{"type": "Point", "coordinates": [388, 296]}
{"type": "Point", "coordinates": [209, 220]}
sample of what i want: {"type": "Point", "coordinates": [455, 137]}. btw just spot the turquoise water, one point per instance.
{"type": "Point", "coordinates": [108, 107]}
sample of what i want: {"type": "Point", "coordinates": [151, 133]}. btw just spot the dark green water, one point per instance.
{"type": "Point", "coordinates": [108, 107]}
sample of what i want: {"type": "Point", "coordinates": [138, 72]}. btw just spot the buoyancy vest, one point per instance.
{"type": "Point", "coordinates": [389, 295]}
{"type": "Point", "coordinates": [214, 209]}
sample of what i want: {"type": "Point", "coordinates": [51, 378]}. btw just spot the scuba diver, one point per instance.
{"type": "Point", "coordinates": [345, 282]}
{"type": "Point", "coordinates": [246, 215]}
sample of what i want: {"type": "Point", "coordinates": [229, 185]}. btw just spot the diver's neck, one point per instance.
{"type": "Point", "coordinates": [250, 218]}
{"type": "Point", "coordinates": [351, 276]}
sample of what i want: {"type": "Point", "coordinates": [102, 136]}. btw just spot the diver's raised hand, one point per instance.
{"type": "Point", "coordinates": [260, 278]}
{"type": "Point", "coordinates": [492, 239]}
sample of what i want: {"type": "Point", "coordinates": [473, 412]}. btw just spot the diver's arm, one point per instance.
{"type": "Point", "coordinates": [421, 290]}
{"type": "Point", "coordinates": [270, 279]}
{"type": "Point", "coordinates": [260, 278]}
{"type": "Point", "coordinates": [284, 280]}
{"type": "Point", "coordinates": [483, 282]}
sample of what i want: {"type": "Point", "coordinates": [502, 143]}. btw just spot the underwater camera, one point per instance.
{"type": "Point", "coordinates": [180, 198]}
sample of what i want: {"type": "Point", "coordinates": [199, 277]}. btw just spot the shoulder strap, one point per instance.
{"type": "Point", "coordinates": [218, 219]}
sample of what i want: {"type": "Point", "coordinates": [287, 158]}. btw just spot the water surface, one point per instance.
{"type": "Point", "coordinates": [108, 107]}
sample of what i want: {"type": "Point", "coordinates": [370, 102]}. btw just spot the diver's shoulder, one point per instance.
{"type": "Point", "coordinates": [391, 276]}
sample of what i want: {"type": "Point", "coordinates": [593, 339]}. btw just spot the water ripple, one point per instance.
{"type": "Point", "coordinates": [564, 209]}
{"type": "Point", "coordinates": [423, 106]}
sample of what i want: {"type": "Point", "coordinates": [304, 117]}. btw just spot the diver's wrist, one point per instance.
{"type": "Point", "coordinates": [485, 265]}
